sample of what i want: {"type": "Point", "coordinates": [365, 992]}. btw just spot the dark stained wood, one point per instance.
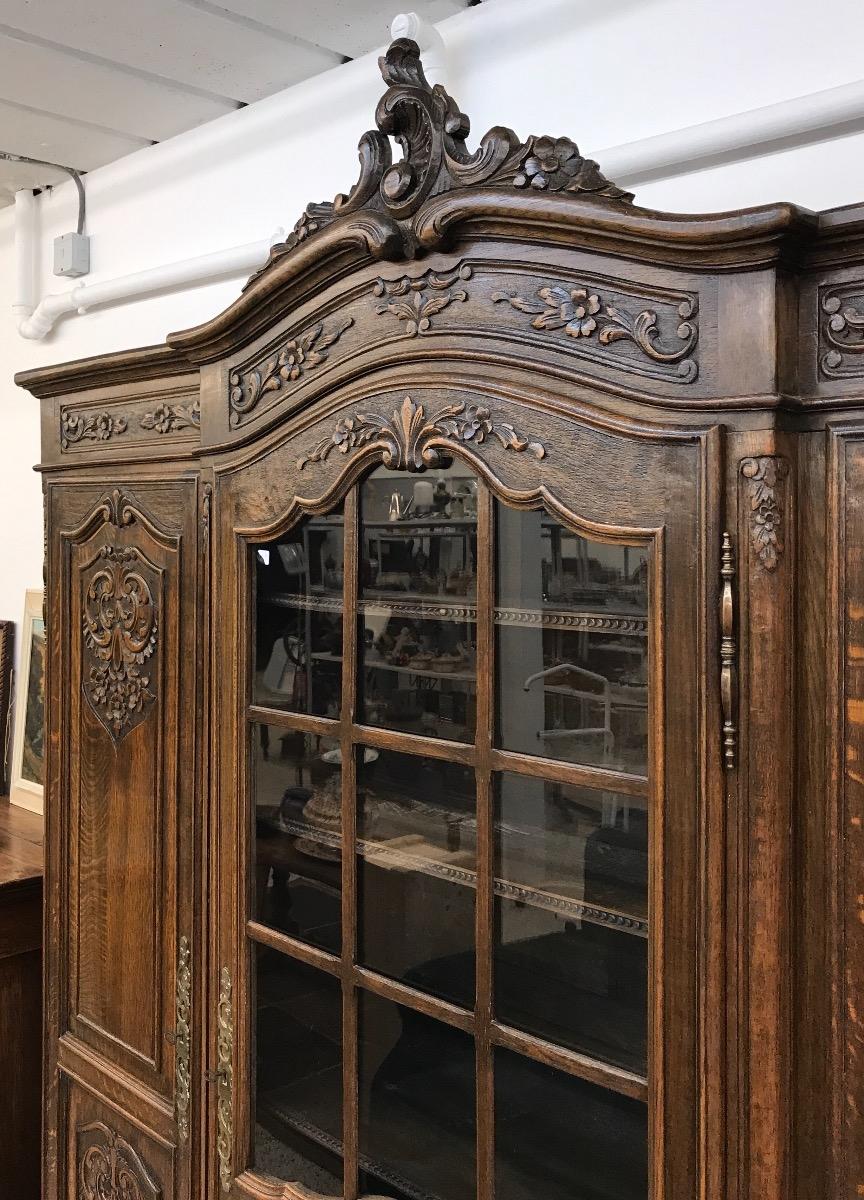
{"type": "Point", "coordinates": [20, 997]}
{"type": "Point", "coordinates": [651, 380]}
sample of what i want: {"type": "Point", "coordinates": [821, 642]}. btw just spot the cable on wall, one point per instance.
{"type": "Point", "coordinates": [76, 179]}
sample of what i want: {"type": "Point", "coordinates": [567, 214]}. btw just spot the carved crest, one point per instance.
{"type": "Point", "coordinates": [110, 1169]}
{"type": "Point", "coordinates": [410, 442]}
{"type": "Point", "coordinates": [428, 125]}
{"type": "Point", "coordinates": [120, 633]}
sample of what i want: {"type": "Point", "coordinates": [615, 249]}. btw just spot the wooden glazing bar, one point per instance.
{"type": "Point", "coordinates": [577, 774]}
{"type": "Point", "coordinates": [614, 1079]}
{"type": "Point", "coordinates": [298, 722]}
{"type": "Point", "coordinates": [485, 903]}
{"type": "Point", "coordinates": [401, 993]}
{"type": "Point", "coordinates": [350, 1117]}
{"type": "Point", "coordinates": [410, 743]}
{"type": "Point", "coordinates": [302, 951]}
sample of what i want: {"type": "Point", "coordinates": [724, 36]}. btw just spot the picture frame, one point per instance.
{"type": "Point", "coordinates": [28, 746]}
{"type": "Point", "coordinates": [7, 677]}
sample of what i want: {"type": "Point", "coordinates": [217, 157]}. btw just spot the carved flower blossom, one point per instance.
{"type": "Point", "coordinates": [768, 516]}
{"type": "Point", "coordinates": [575, 309]}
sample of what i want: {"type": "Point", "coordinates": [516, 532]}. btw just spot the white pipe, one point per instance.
{"type": "Point", "coordinates": [802, 119]}
{"type": "Point", "coordinates": [430, 41]}
{"type": "Point", "coordinates": [25, 253]}
{"type": "Point", "coordinates": [236, 261]}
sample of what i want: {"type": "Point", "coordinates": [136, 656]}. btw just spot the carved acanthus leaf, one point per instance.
{"type": "Point", "coordinates": [89, 427]}
{"type": "Point", "coordinates": [410, 442]}
{"type": "Point", "coordinates": [168, 418]}
{"type": "Point", "coordinates": [765, 476]}
{"type": "Point", "coordinates": [406, 300]}
{"type": "Point", "coordinates": [428, 125]}
{"type": "Point", "coordinates": [289, 363]}
{"type": "Point", "coordinates": [120, 633]}
{"type": "Point", "coordinates": [584, 314]}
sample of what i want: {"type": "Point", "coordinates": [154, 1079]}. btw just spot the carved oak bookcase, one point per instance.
{"type": "Point", "coordinates": [456, 703]}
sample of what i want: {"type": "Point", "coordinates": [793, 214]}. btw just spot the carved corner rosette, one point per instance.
{"type": "Point", "coordinates": [120, 628]}
{"type": "Point", "coordinates": [90, 427]}
{"type": "Point", "coordinates": [285, 366]}
{"type": "Point", "coordinates": [109, 1168]}
{"type": "Point", "coordinates": [589, 318]}
{"type": "Point", "coordinates": [410, 441]}
{"type": "Point", "coordinates": [431, 130]}
{"type": "Point", "coordinates": [841, 331]}
{"type": "Point", "coordinates": [766, 484]}
{"type": "Point", "coordinates": [414, 302]}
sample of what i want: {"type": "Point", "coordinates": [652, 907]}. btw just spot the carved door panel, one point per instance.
{"type": "Point", "coordinates": [122, 682]}
{"type": "Point", "coordinates": [476, 657]}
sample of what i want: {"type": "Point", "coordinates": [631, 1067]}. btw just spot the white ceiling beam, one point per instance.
{"type": "Point", "coordinates": [60, 83]}
{"type": "Point", "coordinates": [176, 41]}
{"type": "Point", "coordinates": [74, 144]}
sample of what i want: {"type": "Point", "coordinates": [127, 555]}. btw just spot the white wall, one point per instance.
{"type": "Point", "coordinates": [605, 74]}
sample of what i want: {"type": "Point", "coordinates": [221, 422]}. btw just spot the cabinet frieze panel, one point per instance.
{"type": "Point", "coordinates": [841, 331]}
{"type": "Point", "coordinates": [140, 419]}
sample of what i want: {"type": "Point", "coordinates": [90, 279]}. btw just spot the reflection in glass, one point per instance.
{"type": "Point", "coordinates": [298, 1133]}
{"type": "Point", "coordinates": [416, 878]}
{"type": "Point", "coordinates": [298, 646]}
{"type": "Point", "coordinates": [418, 602]}
{"type": "Point", "coordinates": [572, 642]}
{"type": "Point", "coordinates": [571, 909]}
{"type": "Point", "coordinates": [563, 1139]}
{"type": "Point", "coordinates": [298, 834]}
{"type": "Point", "coordinates": [417, 1110]}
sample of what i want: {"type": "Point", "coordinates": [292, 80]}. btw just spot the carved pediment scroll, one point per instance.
{"type": "Point", "coordinates": [431, 130]}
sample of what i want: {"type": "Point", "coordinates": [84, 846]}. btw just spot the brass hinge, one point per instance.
{"type": "Point", "coordinates": [728, 654]}
{"type": "Point", "coordinates": [223, 1076]}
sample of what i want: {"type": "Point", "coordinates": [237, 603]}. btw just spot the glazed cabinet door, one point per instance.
{"type": "Point", "coordinates": [463, 855]}
{"type": "Point", "coordinates": [123, 634]}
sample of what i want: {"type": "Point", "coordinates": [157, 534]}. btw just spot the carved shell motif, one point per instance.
{"type": "Point", "coordinates": [410, 442]}
{"type": "Point", "coordinates": [120, 634]}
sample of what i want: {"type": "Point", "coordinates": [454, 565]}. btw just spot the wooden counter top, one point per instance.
{"type": "Point", "coordinates": [21, 856]}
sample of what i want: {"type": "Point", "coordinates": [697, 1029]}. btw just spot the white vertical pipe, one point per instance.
{"type": "Point", "coordinates": [25, 253]}
{"type": "Point", "coordinates": [430, 41]}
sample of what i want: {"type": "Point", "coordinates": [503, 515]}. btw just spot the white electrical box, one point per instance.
{"type": "Point", "coordinates": [72, 254]}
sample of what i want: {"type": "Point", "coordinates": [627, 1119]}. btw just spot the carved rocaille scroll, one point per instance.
{"type": "Point", "coordinates": [841, 334]}
{"type": "Point", "coordinates": [410, 442]}
{"type": "Point", "coordinates": [583, 313]}
{"type": "Point", "coordinates": [120, 628]}
{"type": "Point", "coordinates": [766, 477]}
{"type": "Point", "coordinates": [728, 654]}
{"type": "Point", "coordinates": [110, 1169]}
{"type": "Point", "coordinates": [283, 368]}
{"type": "Point", "coordinates": [427, 124]}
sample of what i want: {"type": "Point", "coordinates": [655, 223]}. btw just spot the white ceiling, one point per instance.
{"type": "Point", "coordinates": [83, 82]}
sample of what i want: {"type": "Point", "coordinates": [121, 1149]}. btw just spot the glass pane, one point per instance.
{"type": "Point", "coordinates": [571, 908]}
{"type": "Point", "coordinates": [572, 640]}
{"type": "Point", "coordinates": [298, 619]}
{"type": "Point", "coordinates": [417, 1123]}
{"type": "Point", "coordinates": [559, 1138]}
{"type": "Point", "coordinates": [298, 1132]}
{"type": "Point", "coordinates": [416, 871]}
{"type": "Point", "coordinates": [298, 834]}
{"type": "Point", "coordinates": [418, 594]}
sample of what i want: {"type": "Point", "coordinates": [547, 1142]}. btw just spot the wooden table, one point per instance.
{"type": "Point", "coordinates": [20, 998]}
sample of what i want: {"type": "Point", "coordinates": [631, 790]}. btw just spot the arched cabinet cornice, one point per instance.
{"type": "Point", "coordinates": [454, 690]}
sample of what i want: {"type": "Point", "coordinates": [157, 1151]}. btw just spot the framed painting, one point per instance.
{"type": "Point", "coordinates": [28, 748]}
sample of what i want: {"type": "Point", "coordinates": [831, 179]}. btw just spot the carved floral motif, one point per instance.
{"type": "Point", "coordinates": [410, 442]}
{"type": "Point", "coordinates": [110, 1169]}
{"type": "Point", "coordinates": [120, 632]}
{"type": "Point", "coordinates": [183, 1039]}
{"type": "Point", "coordinates": [843, 332]}
{"type": "Point", "coordinates": [428, 125]}
{"type": "Point", "coordinates": [582, 313]}
{"type": "Point", "coordinates": [765, 477]}
{"type": "Point", "coordinates": [90, 427]}
{"type": "Point", "coordinates": [287, 365]}
{"type": "Point", "coordinates": [168, 418]}
{"type": "Point", "coordinates": [225, 1077]}
{"type": "Point", "coordinates": [405, 297]}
